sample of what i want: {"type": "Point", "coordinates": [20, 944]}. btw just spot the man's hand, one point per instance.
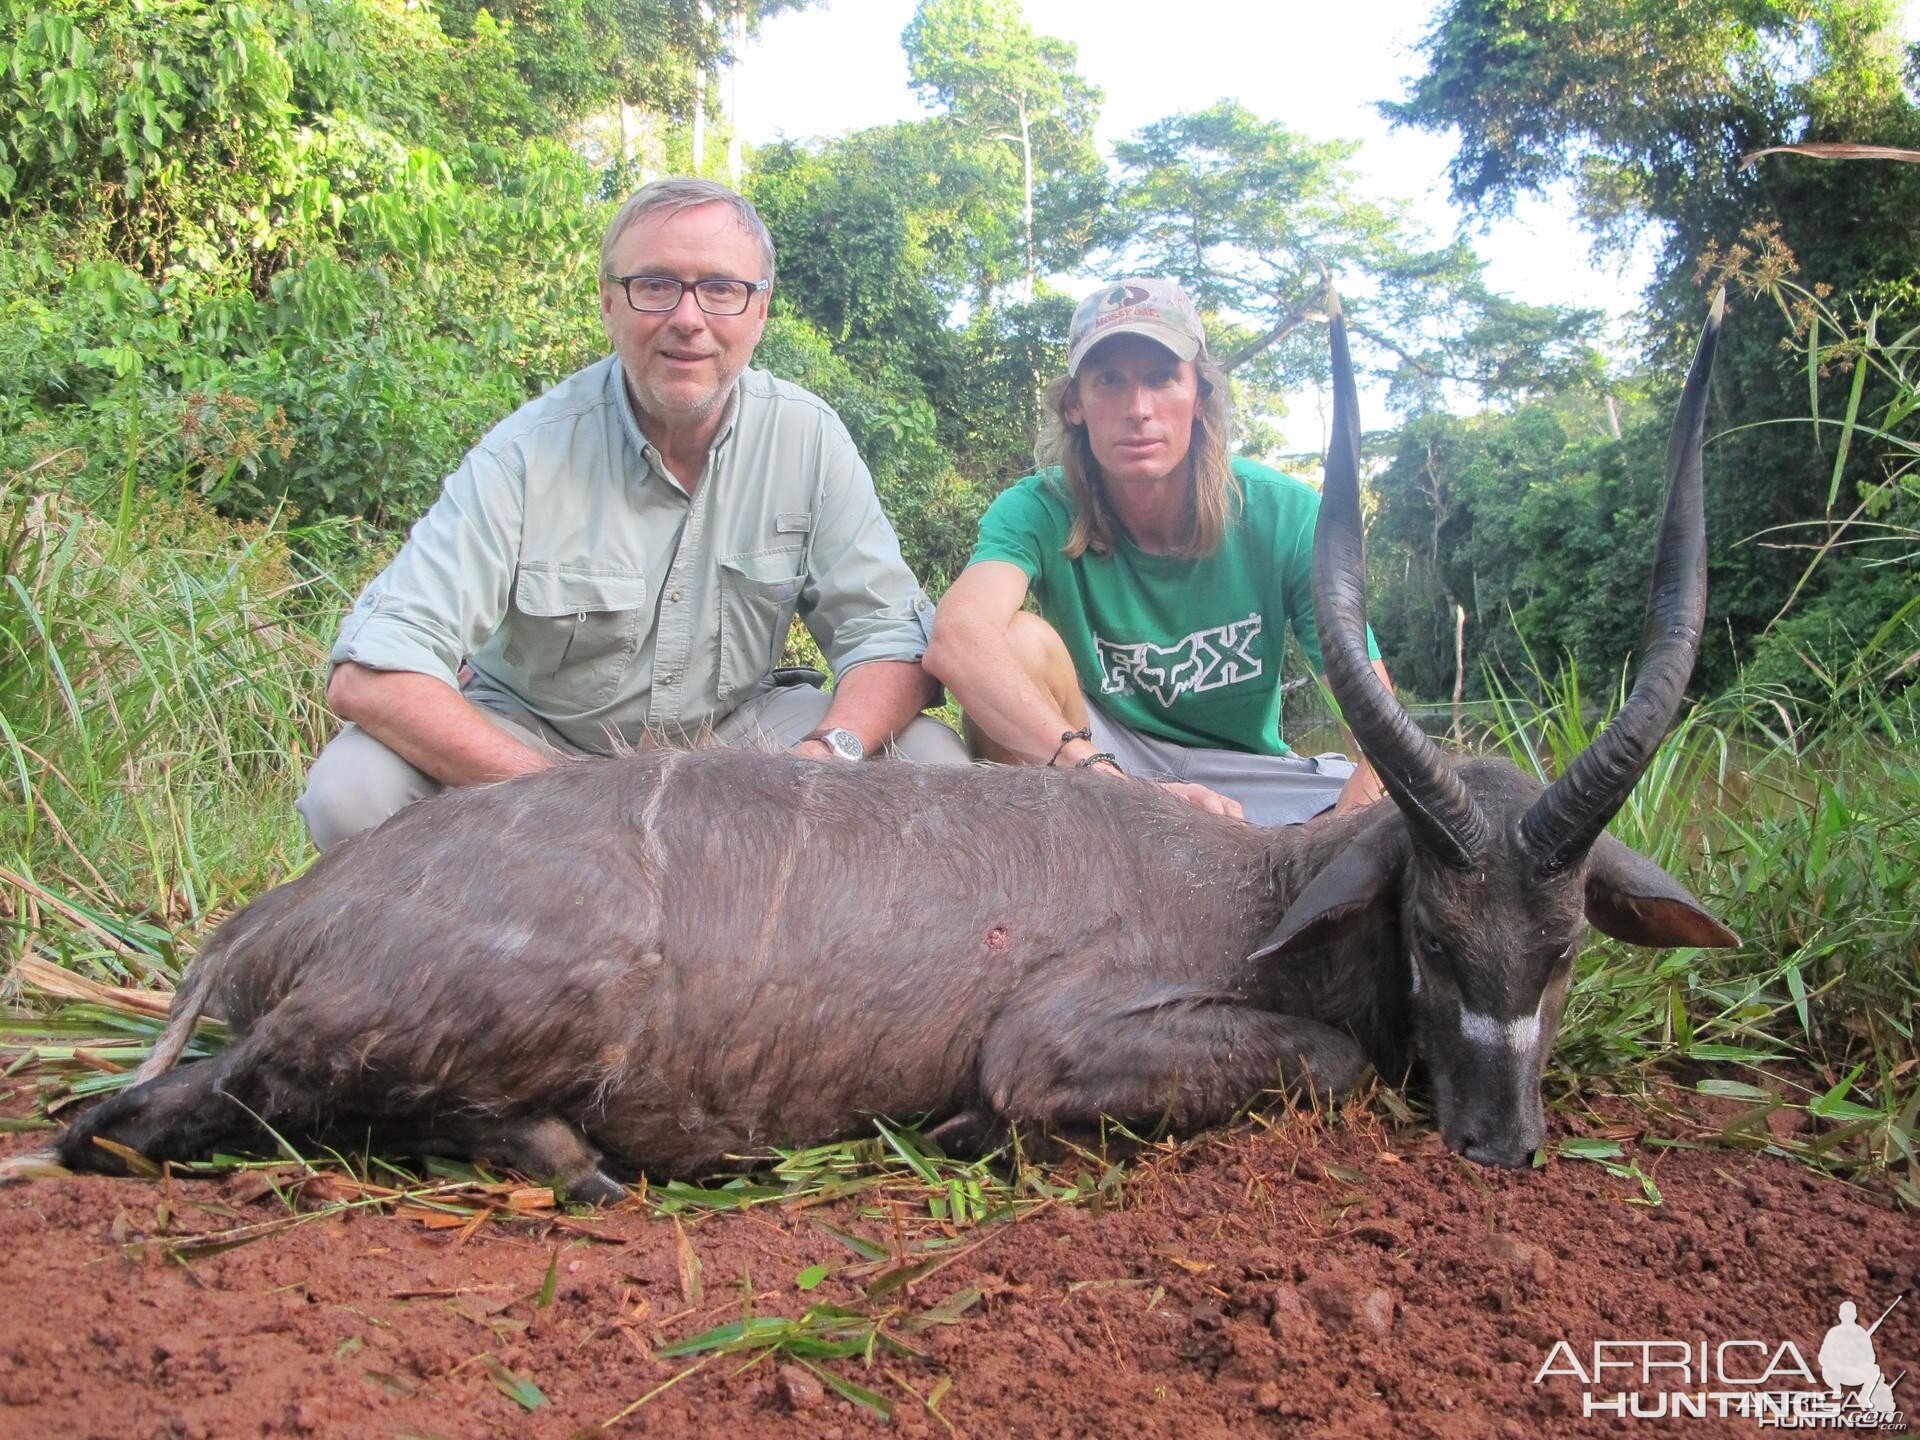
{"type": "Point", "coordinates": [1199, 796]}
{"type": "Point", "coordinates": [816, 750]}
{"type": "Point", "coordinates": [1362, 788]}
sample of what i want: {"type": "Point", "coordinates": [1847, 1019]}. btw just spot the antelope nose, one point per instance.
{"type": "Point", "coordinates": [1509, 1154]}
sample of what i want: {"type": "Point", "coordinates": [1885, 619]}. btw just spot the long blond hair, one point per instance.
{"type": "Point", "coordinates": [1212, 502]}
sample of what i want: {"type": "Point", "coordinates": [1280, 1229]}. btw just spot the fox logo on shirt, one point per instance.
{"type": "Point", "coordinates": [1205, 660]}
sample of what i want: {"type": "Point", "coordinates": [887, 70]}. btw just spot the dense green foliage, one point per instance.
{"type": "Point", "coordinates": [1647, 111]}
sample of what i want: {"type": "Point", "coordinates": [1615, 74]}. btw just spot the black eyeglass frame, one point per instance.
{"type": "Point", "coordinates": [625, 282]}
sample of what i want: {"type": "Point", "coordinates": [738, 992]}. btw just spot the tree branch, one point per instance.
{"type": "Point", "coordinates": [1303, 310]}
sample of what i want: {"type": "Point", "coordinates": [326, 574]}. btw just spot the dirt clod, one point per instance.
{"type": "Point", "coordinates": [797, 1388]}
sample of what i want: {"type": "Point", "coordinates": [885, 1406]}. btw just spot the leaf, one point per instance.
{"type": "Point", "coordinates": [687, 1263]}
{"type": "Point", "coordinates": [858, 1394]}
{"type": "Point", "coordinates": [949, 1310]}
{"type": "Point", "coordinates": [1589, 1149]}
{"type": "Point", "coordinates": [516, 1388]}
{"type": "Point", "coordinates": [1848, 424]}
{"type": "Point", "coordinates": [1712, 1050]}
{"type": "Point", "coordinates": [545, 1298]}
{"type": "Point", "coordinates": [1192, 1267]}
{"type": "Point", "coordinates": [734, 1335]}
{"type": "Point", "coordinates": [137, 1163]}
{"type": "Point", "coordinates": [902, 1275]}
{"type": "Point", "coordinates": [811, 1277]}
{"type": "Point", "coordinates": [865, 1249]}
{"type": "Point", "coordinates": [900, 1146]}
{"type": "Point", "coordinates": [1735, 1090]}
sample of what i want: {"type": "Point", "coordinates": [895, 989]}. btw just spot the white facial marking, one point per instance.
{"type": "Point", "coordinates": [1520, 1035]}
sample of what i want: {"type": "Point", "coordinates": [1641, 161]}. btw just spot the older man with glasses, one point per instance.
{"type": "Point", "coordinates": [621, 558]}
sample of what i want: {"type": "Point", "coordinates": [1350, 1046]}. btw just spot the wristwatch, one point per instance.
{"type": "Point", "coordinates": [842, 741]}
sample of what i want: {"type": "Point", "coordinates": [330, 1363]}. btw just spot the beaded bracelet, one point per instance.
{"type": "Point", "coordinates": [1067, 739]}
{"type": "Point", "coordinates": [1099, 757]}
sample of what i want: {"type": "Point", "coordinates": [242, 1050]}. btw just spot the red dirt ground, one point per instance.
{"type": "Point", "coordinates": [1284, 1278]}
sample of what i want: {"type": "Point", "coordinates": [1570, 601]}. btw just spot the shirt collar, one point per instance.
{"type": "Point", "coordinates": [622, 402]}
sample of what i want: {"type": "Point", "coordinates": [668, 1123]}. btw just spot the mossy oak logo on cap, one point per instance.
{"type": "Point", "coordinates": [1847, 1387]}
{"type": "Point", "coordinates": [1139, 305]}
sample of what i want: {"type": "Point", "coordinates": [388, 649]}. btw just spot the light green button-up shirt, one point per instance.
{"type": "Point", "coordinates": [570, 568]}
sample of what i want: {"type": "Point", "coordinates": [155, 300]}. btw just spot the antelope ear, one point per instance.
{"type": "Point", "coordinates": [1360, 877]}
{"type": "Point", "coordinates": [1632, 899]}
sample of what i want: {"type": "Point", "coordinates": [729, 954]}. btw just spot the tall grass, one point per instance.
{"type": "Point", "coordinates": [1801, 829]}
{"type": "Point", "coordinates": [160, 672]}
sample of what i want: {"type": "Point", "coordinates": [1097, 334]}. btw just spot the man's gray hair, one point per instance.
{"type": "Point", "coordinates": [670, 197]}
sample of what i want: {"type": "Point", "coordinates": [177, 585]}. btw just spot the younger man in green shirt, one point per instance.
{"type": "Point", "coordinates": [1166, 573]}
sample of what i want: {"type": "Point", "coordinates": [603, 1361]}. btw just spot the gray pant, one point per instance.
{"type": "Point", "coordinates": [1271, 789]}
{"type": "Point", "coordinates": [357, 782]}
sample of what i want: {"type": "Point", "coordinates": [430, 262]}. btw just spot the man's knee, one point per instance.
{"type": "Point", "coordinates": [354, 785]}
{"type": "Point", "coordinates": [1040, 652]}
{"type": "Point", "coordinates": [926, 741]}
{"type": "Point", "coordinates": [775, 719]}
{"type": "Point", "coordinates": [1037, 645]}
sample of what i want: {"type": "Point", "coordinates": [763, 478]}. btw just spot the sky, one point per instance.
{"type": "Point", "coordinates": [824, 72]}
{"type": "Point", "coordinates": [1312, 66]}
{"type": "Point", "coordinates": [1315, 67]}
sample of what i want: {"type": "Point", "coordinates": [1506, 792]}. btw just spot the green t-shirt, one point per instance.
{"type": "Point", "coordinates": [1185, 649]}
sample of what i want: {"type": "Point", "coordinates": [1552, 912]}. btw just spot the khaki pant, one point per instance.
{"type": "Point", "coordinates": [357, 782]}
{"type": "Point", "coordinates": [1271, 789]}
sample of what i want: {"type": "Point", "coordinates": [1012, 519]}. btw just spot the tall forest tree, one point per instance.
{"type": "Point", "coordinates": [1645, 111]}
{"type": "Point", "coordinates": [1257, 221]}
{"type": "Point", "coordinates": [1014, 94]}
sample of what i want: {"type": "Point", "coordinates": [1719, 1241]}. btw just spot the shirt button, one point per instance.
{"type": "Point", "coordinates": [675, 597]}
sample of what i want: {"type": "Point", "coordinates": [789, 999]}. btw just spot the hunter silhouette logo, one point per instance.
{"type": "Point", "coordinates": [1847, 1362]}
{"type": "Point", "coordinates": [1765, 1381]}
{"type": "Point", "coordinates": [1205, 660]}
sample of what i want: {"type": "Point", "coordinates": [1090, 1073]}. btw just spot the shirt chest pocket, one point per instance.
{"type": "Point", "coordinates": [575, 631]}
{"type": "Point", "coordinates": [759, 591]}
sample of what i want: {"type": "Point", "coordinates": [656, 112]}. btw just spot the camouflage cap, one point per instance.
{"type": "Point", "coordinates": [1139, 305]}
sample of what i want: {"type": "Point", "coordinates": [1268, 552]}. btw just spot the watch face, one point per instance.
{"type": "Point", "coordinates": [845, 744]}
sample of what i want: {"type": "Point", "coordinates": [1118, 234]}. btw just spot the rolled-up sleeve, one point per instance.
{"type": "Point", "coordinates": [861, 602]}
{"type": "Point", "coordinates": [447, 590]}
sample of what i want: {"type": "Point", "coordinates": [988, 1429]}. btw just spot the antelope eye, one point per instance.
{"type": "Point", "coordinates": [1431, 947]}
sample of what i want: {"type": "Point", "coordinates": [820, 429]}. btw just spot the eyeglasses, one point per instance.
{"type": "Point", "coordinates": [655, 294]}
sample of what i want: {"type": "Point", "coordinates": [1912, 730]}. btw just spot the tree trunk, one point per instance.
{"type": "Point", "coordinates": [1459, 668]}
{"type": "Point", "coordinates": [700, 99]}
{"type": "Point", "coordinates": [699, 119]}
{"type": "Point", "coordinates": [733, 98]}
{"type": "Point", "coordinates": [1026, 163]}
